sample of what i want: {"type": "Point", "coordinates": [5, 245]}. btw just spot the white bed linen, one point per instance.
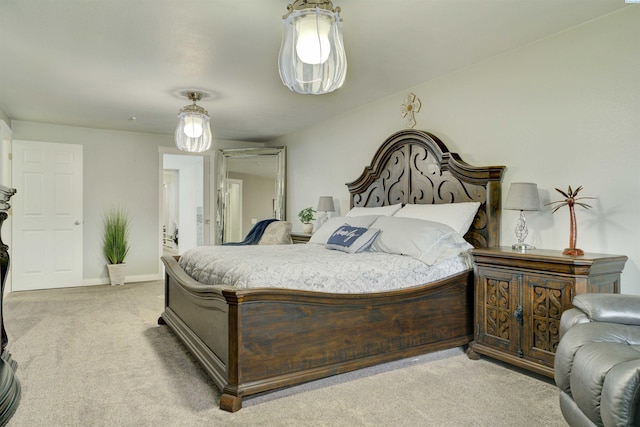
{"type": "Point", "coordinates": [313, 267]}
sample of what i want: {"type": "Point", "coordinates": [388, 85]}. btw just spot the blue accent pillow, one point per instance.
{"type": "Point", "coordinates": [352, 239]}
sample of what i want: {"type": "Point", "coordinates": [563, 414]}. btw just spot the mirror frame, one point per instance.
{"type": "Point", "coordinates": [280, 207]}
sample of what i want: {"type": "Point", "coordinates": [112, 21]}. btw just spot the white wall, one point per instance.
{"type": "Point", "coordinates": [562, 111]}
{"type": "Point", "coordinates": [6, 138]}
{"type": "Point", "coordinates": [120, 168]}
{"type": "Point", "coordinates": [3, 115]}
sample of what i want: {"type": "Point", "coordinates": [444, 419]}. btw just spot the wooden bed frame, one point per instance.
{"type": "Point", "coordinates": [255, 340]}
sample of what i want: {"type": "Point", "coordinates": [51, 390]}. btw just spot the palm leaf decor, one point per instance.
{"type": "Point", "coordinates": [571, 199]}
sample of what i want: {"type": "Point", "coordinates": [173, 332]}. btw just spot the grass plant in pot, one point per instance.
{"type": "Point", "coordinates": [306, 216]}
{"type": "Point", "coordinates": [115, 243]}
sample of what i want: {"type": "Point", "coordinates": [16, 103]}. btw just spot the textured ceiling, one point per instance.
{"type": "Point", "coordinates": [96, 63]}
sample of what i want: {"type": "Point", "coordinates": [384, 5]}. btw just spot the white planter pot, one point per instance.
{"type": "Point", "coordinates": [116, 273]}
{"type": "Point", "coordinates": [307, 227]}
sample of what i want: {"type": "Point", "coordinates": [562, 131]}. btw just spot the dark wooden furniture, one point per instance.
{"type": "Point", "coordinates": [520, 297]}
{"type": "Point", "coordinates": [254, 340]}
{"type": "Point", "coordinates": [9, 384]}
{"type": "Point", "coordinates": [300, 238]}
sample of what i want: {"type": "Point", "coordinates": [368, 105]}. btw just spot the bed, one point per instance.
{"type": "Point", "coordinates": [255, 340]}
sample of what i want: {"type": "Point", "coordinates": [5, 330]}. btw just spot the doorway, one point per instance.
{"type": "Point", "coordinates": [184, 219]}
{"type": "Point", "coordinates": [170, 213]}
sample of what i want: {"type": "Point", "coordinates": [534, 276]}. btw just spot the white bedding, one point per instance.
{"type": "Point", "coordinates": [313, 267]}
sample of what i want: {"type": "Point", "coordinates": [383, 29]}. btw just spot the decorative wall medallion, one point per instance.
{"type": "Point", "coordinates": [411, 106]}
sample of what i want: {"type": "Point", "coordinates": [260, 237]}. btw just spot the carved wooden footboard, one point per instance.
{"type": "Point", "coordinates": [255, 340]}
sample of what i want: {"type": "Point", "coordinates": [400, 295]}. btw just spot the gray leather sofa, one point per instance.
{"type": "Point", "coordinates": [597, 363]}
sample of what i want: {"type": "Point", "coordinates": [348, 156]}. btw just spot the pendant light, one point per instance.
{"type": "Point", "coordinates": [312, 58]}
{"type": "Point", "coordinates": [193, 133]}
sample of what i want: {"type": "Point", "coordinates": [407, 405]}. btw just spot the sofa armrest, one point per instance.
{"type": "Point", "coordinates": [613, 308]}
{"type": "Point", "coordinates": [584, 333]}
{"type": "Point", "coordinates": [571, 317]}
{"type": "Point", "coordinates": [620, 394]}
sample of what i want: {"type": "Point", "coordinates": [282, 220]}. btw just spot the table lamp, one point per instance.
{"type": "Point", "coordinates": [325, 204]}
{"type": "Point", "coordinates": [522, 196]}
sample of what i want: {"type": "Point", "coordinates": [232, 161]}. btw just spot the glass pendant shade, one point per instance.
{"type": "Point", "coordinates": [312, 58]}
{"type": "Point", "coordinates": [193, 125]}
{"type": "Point", "coordinates": [193, 133]}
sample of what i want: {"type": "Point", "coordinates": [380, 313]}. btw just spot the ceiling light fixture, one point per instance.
{"type": "Point", "coordinates": [193, 133]}
{"type": "Point", "coordinates": [312, 58]}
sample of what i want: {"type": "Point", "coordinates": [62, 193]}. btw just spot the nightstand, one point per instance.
{"type": "Point", "coordinates": [520, 296]}
{"type": "Point", "coordinates": [299, 237]}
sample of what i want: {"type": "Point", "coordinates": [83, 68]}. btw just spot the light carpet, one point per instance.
{"type": "Point", "coordinates": [95, 356]}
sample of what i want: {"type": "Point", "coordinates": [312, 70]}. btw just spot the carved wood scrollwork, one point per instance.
{"type": "Point", "coordinates": [547, 310]}
{"type": "Point", "coordinates": [416, 167]}
{"type": "Point", "coordinates": [498, 310]}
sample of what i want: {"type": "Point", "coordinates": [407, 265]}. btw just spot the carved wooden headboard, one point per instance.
{"type": "Point", "coordinates": [414, 166]}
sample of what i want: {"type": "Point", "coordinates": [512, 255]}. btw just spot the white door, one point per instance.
{"type": "Point", "coordinates": [47, 215]}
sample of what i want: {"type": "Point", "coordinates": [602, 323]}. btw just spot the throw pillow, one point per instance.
{"type": "Point", "coordinates": [352, 239]}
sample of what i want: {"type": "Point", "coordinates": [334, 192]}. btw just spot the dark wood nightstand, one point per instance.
{"type": "Point", "coordinates": [520, 296]}
{"type": "Point", "coordinates": [299, 237]}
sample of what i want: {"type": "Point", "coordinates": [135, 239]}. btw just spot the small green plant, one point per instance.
{"type": "Point", "coordinates": [115, 240]}
{"type": "Point", "coordinates": [306, 215]}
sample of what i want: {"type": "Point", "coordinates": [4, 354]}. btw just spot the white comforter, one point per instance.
{"type": "Point", "coordinates": [313, 267]}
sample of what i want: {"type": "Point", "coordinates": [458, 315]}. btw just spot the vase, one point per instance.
{"type": "Point", "coordinates": [307, 227]}
{"type": "Point", "coordinates": [116, 273]}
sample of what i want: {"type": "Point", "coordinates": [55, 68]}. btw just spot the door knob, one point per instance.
{"type": "Point", "coordinates": [77, 222]}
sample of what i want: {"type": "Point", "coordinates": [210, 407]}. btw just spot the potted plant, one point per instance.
{"type": "Point", "coordinates": [115, 243]}
{"type": "Point", "coordinates": [306, 216]}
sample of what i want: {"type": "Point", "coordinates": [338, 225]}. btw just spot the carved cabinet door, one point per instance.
{"type": "Point", "coordinates": [544, 297]}
{"type": "Point", "coordinates": [496, 302]}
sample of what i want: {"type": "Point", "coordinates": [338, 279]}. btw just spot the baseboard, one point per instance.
{"type": "Point", "coordinates": [128, 279]}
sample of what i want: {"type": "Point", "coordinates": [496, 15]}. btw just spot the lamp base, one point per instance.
{"type": "Point", "coordinates": [522, 247]}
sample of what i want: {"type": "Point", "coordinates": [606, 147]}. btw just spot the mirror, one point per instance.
{"type": "Point", "coordinates": [251, 187]}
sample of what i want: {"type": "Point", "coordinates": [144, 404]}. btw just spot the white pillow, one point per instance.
{"type": "Point", "coordinates": [458, 216]}
{"type": "Point", "coordinates": [326, 230]}
{"type": "Point", "coordinates": [352, 239]}
{"type": "Point", "coordinates": [429, 242]}
{"type": "Point", "coordinates": [379, 210]}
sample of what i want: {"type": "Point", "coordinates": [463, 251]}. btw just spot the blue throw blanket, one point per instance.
{"type": "Point", "coordinates": [254, 235]}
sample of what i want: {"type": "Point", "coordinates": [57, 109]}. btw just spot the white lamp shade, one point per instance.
{"type": "Point", "coordinates": [522, 196]}
{"type": "Point", "coordinates": [312, 58]}
{"type": "Point", "coordinates": [325, 204]}
{"type": "Point", "coordinates": [193, 133]}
